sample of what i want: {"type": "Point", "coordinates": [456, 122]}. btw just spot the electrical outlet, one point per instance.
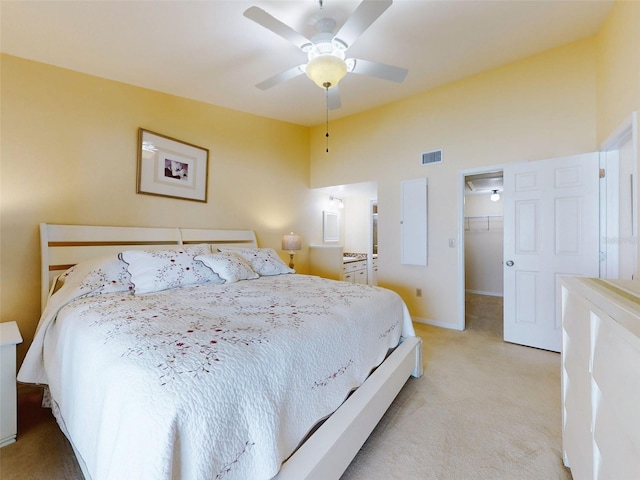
{"type": "Point", "coordinates": [418, 292]}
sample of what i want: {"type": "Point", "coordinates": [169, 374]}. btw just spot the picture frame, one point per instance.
{"type": "Point", "coordinates": [171, 168]}
{"type": "Point", "coordinates": [330, 226]}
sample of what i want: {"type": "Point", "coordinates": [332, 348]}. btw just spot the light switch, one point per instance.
{"type": "Point", "coordinates": [452, 242]}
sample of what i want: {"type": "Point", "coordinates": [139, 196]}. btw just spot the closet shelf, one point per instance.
{"type": "Point", "coordinates": [491, 223]}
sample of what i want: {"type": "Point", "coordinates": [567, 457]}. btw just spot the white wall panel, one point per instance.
{"type": "Point", "coordinates": [414, 226]}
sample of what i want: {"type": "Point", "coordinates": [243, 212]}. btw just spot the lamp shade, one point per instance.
{"type": "Point", "coordinates": [326, 70]}
{"type": "Point", "coordinates": [291, 242]}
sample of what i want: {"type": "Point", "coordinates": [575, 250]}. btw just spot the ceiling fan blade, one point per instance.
{"type": "Point", "coordinates": [276, 26]}
{"type": "Point", "coordinates": [280, 77]}
{"type": "Point", "coordinates": [379, 70]}
{"type": "Point", "coordinates": [366, 13]}
{"type": "Point", "coordinates": [333, 100]}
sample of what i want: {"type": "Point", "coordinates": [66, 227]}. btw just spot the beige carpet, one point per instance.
{"type": "Point", "coordinates": [484, 409]}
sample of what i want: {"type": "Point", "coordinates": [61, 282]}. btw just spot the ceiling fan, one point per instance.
{"type": "Point", "coordinates": [327, 64]}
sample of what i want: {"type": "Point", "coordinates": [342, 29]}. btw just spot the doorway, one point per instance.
{"type": "Point", "coordinates": [356, 208]}
{"type": "Point", "coordinates": [550, 230]}
{"type": "Point", "coordinates": [483, 250]}
{"type": "Point", "coordinates": [619, 203]}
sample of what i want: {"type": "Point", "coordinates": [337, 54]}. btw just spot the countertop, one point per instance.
{"type": "Point", "coordinates": [356, 257]}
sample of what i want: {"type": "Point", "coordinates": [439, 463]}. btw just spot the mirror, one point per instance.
{"type": "Point", "coordinates": [331, 228]}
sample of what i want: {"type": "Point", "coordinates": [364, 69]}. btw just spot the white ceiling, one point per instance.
{"type": "Point", "coordinates": [208, 51]}
{"type": "Point", "coordinates": [484, 183]}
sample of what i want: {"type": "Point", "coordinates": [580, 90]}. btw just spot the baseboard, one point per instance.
{"type": "Point", "coordinates": [480, 292]}
{"type": "Point", "coordinates": [435, 323]}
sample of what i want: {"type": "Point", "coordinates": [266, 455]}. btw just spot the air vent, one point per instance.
{"type": "Point", "coordinates": [434, 156]}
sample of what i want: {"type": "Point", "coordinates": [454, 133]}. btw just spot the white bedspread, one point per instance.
{"type": "Point", "coordinates": [208, 381]}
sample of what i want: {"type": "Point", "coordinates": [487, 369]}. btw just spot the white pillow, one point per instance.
{"type": "Point", "coordinates": [155, 270]}
{"type": "Point", "coordinates": [229, 266]}
{"type": "Point", "coordinates": [98, 275]}
{"type": "Point", "coordinates": [263, 261]}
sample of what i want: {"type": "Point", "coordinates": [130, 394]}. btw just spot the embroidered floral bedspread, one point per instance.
{"type": "Point", "coordinates": [211, 381]}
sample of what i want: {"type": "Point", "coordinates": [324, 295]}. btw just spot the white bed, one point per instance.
{"type": "Point", "coordinates": [136, 394]}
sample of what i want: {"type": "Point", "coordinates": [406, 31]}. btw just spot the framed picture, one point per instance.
{"type": "Point", "coordinates": [170, 168]}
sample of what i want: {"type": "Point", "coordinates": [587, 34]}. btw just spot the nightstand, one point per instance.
{"type": "Point", "coordinates": [9, 338]}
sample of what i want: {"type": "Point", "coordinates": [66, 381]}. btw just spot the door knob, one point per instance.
{"type": "Point", "coordinates": [509, 263]}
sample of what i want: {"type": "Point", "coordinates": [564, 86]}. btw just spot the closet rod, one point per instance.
{"type": "Point", "coordinates": [482, 218]}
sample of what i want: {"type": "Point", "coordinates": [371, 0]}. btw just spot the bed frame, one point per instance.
{"type": "Point", "coordinates": [327, 453]}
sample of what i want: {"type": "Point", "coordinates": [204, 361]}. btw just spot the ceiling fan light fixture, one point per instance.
{"type": "Point", "coordinates": [326, 70]}
{"type": "Point", "coordinates": [351, 64]}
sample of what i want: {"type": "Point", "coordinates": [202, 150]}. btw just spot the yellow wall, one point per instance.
{"type": "Point", "coordinates": [618, 77]}
{"type": "Point", "coordinates": [618, 57]}
{"type": "Point", "coordinates": [537, 108]}
{"type": "Point", "coordinates": [68, 155]}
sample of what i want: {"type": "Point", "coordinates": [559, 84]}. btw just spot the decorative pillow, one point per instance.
{"type": "Point", "coordinates": [155, 270]}
{"type": "Point", "coordinates": [263, 261]}
{"type": "Point", "coordinates": [105, 274]}
{"type": "Point", "coordinates": [229, 266]}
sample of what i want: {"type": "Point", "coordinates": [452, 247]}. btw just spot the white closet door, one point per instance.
{"type": "Point", "coordinates": [414, 222]}
{"type": "Point", "coordinates": [551, 229]}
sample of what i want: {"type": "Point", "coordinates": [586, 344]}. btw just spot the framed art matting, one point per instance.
{"type": "Point", "coordinates": [171, 168]}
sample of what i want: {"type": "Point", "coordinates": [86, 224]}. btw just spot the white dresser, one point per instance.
{"type": "Point", "coordinates": [9, 338]}
{"type": "Point", "coordinates": [601, 378]}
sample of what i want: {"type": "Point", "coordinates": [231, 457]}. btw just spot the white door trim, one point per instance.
{"type": "Point", "coordinates": [372, 202]}
{"type": "Point", "coordinates": [622, 134]}
{"type": "Point", "coordinates": [609, 152]}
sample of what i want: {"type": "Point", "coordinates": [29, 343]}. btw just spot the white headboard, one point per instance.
{"type": "Point", "coordinates": [62, 246]}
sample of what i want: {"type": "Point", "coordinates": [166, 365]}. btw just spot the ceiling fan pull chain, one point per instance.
{"type": "Point", "coordinates": [326, 90]}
